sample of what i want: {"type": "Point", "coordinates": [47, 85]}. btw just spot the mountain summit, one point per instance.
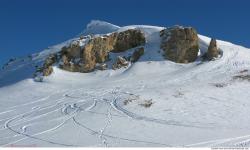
{"type": "Point", "coordinates": [99, 27]}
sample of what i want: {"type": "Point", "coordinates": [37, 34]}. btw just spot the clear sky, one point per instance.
{"type": "Point", "coordinates": [28, 26]}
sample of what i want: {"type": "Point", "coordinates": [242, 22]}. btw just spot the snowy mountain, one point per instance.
{"type": "Point", "coordinates": [152, 102]}
{"type": "Point", "coordinates": [99, 27]}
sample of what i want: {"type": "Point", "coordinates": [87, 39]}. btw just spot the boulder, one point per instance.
{"type": "Point", "coordinates": [137, 54]}
{"type": "Point", "coordinates": [119, 63]}
{"type": "Point", "coordinates": [213, 51]}
{"type": "Point", "coordinates": [180, 44]}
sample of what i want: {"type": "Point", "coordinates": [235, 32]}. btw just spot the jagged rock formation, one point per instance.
{"type": "Point", "coordinates": [180, 44]}
{"type": "Point", "coordinates": [69, 56]}
{"type": "Point", "coordinates": [47, 67]}
{"type": "Point", "coordinates": [77, 59]}
{"type": "Point", "coordinates": [120, 62]}
{"type": "Point", "coordinates": [128, 39]}
{"type": "Point", "coordinates": [212, 51]}
{"type": "Point", "coordinates": [72, 51]}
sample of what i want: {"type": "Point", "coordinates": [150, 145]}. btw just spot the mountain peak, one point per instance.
{"type": "Point", "coordinates": [99, 27]}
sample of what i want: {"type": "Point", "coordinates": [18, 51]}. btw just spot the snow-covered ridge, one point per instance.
{"type": "Point", "coordinates": [154, 102]}
{"type": "Point", "coordinates": [99, 27]}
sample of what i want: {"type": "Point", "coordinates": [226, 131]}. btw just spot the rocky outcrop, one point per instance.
{"type": "Point", "coordinates": [67, 65]}
{"type": "Point", "coordinates": [101, 46]}
{"type": "Point", "coordinates": [84, 59]}
{"type": "Point", "coordinates": [137, 54]}
{"type": "Point", "coordinates": [213, 51]}
{"type": "Point", "coordinates": [119, 63]}
{"type": "Point", "coordinates": [180, 44]}
{"type": "Point", "coordinates": [72, 51]}
{"type": "Point", "coordinates": [129, 39]}
{"type": "Point", "coordinates": [47, 66]}
{"type": "Point", "coordinates": [47, 71]}
{"type": "Point", "coordinates": [88, 59]}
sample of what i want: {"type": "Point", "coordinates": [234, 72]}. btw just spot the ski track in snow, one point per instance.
{"type": "Point", "coordinates": [61, 103]}
{"type": "Point", "coordinates": [22, 118]}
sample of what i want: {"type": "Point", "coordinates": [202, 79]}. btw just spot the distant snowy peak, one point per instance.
{"type": "Point", "coordinates": [99, 27]}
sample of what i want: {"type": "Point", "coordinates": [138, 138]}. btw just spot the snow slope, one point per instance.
{"type": "Point", "coordinates": [198, 104]}
{"type": "Point", "coordinates": [99, 27]}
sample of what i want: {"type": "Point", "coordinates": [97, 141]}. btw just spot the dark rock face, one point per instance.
{"type": "Point", "coordinates": [180, 44]}
{"type": "Point", "coordinates": [212, 51]}
{"type": "Point", "coordinates": [120, 62]}
{"type": "Point", "coordinates": [137, 54]}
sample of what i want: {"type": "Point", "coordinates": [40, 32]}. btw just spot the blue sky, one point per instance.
{"type": "Point", "coordinates": [28, 26]}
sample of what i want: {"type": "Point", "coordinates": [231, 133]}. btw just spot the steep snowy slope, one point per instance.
{"type": "Point", "coordinates": [99, 27]}
{"type": "Point", "coordinates": [153, 102]}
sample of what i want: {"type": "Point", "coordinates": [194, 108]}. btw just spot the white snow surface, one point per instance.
{"type": "Point", "coordinates": [99, 27]}
{"type": "Point", "coordinates": [193, 105]}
